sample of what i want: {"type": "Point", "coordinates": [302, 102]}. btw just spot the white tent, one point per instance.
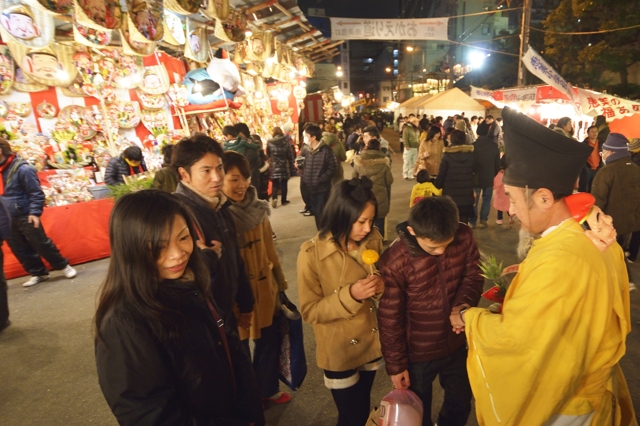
{"type": "Point", "coordinates": [408, 106]}
{"type": "Point", "coordinates": [448, 103]}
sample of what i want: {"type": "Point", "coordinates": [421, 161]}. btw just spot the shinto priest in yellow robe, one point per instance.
{"type": "Point", "coordinates": [553, 353]}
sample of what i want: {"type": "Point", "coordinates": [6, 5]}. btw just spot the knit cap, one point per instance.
{"type": "Point", "coordinates": [618, 144]}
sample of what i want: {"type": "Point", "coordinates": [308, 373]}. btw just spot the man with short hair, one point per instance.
{"type": "Point", "coordinates": [320, 166]}
{"type": "Point", "coordinates": [593, 163]}
{"type": "Point", "coordinates": [198, 162]}
{"type": "Point", "coordinates": [565, 127]}
{"type": "Point", "coordinates": [243, 144]}
{"type": "Point", "coordinates": [551, 357]}
{"type": "Point", "coordinates": [495, 131]}
{"type": "Point", "coordinates": [21, 191]}
{"type": "Point", "coordinates": [424, 122]}
{"type": "Point", "coordinates": [411, 140]}
{"type": "Point", "coordinates": [430, 270]}
{"type": "Point", "coordinates": [474, 125]}
{"type": "Point", "coordinates": [129, 163]}
{"type": "Point", "coordinates": [486, 167]}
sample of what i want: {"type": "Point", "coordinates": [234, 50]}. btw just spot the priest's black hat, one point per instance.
{"type": "Point", "coordinates": [537, 157]}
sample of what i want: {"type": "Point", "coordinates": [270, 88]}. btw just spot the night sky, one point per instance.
{"type": "Point", "coordinates": [356, 8]}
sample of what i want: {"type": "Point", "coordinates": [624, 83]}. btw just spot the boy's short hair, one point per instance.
{"type": "Point", "coordinates": [435, 218]}
{"type": "Point", "coordinates": [313, 130]}
{"type": "Point", "coordinates": [423, 176]}
{"type": "Point", "coordinates": [372, 130]}
{"type": "Point", "coordinates": [230, 131]}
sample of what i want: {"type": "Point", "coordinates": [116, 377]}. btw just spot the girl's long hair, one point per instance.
{"type": "Point", "coordinates": [346, 203]}
{"type": "Point", "coordinates": [139, 222]}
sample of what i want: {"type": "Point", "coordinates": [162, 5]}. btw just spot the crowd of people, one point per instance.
{"type": "Point", "coordinates": [195, 274]}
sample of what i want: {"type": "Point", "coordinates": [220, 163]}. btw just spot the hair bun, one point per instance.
{"type": "Point", "coordinates": [360, 187]}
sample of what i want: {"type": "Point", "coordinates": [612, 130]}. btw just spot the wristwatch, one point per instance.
{"type": "Point", "coordinates": [462, 311]}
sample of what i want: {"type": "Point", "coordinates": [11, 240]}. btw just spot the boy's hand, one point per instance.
{"type": "Point", "coordinates": [456, 320]}
{"type": "Point", "coordinates": [401, 381]}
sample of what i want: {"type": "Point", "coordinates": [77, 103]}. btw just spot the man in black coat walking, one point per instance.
{"type": "Point", "coordinates": [320, 165]}
{"type": "Point", "coordinates": [487, 166]}
{"type": "Point", "coordinates": [198, 162]}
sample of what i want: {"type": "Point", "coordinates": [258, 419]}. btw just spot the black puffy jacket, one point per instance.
{"type": "Point", "coordinates": [487, 161]}
{"type": "Point", "coordinates": [320, 165]}
{"type": "Point", "coordinates": [455, 176]}
{"type": "Point", "coordinates": [117, 167]}
{"type": "Point", "coordinates": [281, 157]}
{"type": "Point", "coordinates": [186, 381]}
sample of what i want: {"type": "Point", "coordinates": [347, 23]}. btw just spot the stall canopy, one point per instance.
{"type": "Point", "coordinates": [450, 102]}
{"type": "Point", "coordinates": [408, 106]}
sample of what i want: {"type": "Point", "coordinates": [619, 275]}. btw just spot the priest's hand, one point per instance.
{"type": "Point", "coordinates": [401, 381]}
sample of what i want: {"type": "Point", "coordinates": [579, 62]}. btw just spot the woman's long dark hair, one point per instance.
{"type": "Point", "coordinates": [346, 203]}
{"type": "Point", "coordinates": [139, 222]}
{"type": "Point", "coordinates": [433, 130]}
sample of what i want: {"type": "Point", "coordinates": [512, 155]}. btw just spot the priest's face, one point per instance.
{"type": "Point", "coordinates": [531, 208]}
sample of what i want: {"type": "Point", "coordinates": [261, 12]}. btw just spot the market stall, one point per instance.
{"type": "Point", "coordinates": [81, 81]}
{"type": "Point", "coordinates": [449, 103]}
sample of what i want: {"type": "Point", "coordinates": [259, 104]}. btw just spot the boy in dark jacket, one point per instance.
{"type": "Point", "coordinates": [320, 165]}
{"type": "Point", "coordinates": [129, 163]}
{"type": "Point", "coordinates": [21, 190]}
{"type": "Point", "coordinates": [431, 274]}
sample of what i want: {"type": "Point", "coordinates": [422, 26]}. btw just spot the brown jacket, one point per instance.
{"type": "Point", "coordinates": [420, 292]}
{"type": "Point", "coordinates": [616, 188]}
{"type": "Point", "coordinates": [429, 156]}
{"type": "Point", "coordinates": [265, 274]}
{"type": "Point", "coordinates": [346, 330]}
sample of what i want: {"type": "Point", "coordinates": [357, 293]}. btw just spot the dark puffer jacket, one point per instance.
{"type": "Point", "coordinates": [281, 157]}
{"type": "Point", "coordinates": [320, 166]}
{"type": "Point", "coordinates": [231, 284]}
{"type": "Point", "coordinates": [455, 176]}
{"type": "Point", "coordinates": [186, 381]}
{"type": "Point", "coordinates": [487, 161]}
{"type": "Point", "coordinates": [117, 167]}
{"type": "Point", "coordinates": [22, 192]}
{"type": "Point", "coordinates": [420, 292]}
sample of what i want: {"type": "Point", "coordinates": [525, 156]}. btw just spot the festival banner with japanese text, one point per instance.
{"type": "Point", "coordinates": [612, 107]}
{"type": "Point", "coordinates": [389, 29]}
{"type": "Point", "coordinates": [545, 72]}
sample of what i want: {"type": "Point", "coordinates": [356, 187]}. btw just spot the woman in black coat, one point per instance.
{"type": "Point", "coordinates": [163, 355]}
{"type": "Point", "coordinates": [281, 159]}
{"type": "Point", "coordinates": [455, 175]}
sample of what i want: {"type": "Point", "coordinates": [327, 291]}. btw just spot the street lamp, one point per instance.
{"type": "Point", "coordinates": [339, 72]}
{"type": "Point", "coordinates": [409, 48]}
{"type": "Point", "coordinates": [392, 78]}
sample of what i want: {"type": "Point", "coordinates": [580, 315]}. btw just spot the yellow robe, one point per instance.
{"type": "Point", "coordinates": [555, 348]}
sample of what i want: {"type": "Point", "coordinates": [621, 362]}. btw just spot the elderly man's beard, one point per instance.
{"type": "Point", "coordinates": [525, 242]}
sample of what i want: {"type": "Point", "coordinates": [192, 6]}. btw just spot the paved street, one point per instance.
{"type": "Point", "coordinates": [47, 370]}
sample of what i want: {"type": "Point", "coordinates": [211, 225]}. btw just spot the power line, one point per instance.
{"type": "Point", "coordinates": [585, 32]}
{"type": "Point", "coordinates": [480, 13]}
{"type": "Point", "coordinates": [483, 48]}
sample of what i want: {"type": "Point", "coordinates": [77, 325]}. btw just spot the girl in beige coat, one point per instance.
{"type": "Point", "coordinates": [336, 290]}
{"type": "Point", "coordinates": [430, 152]}
{"type": "Point", "coordinates": [257, 249]}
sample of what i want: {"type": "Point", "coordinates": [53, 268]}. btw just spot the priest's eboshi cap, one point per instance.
{"type": "Point", "coordinates": [537, 157]}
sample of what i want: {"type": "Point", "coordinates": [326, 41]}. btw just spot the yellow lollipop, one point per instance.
{"type": "Point", "coordinates": [369, 257]}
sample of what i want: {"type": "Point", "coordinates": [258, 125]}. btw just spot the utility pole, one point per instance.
{"type": "Point", "coordinates": [524, 39]}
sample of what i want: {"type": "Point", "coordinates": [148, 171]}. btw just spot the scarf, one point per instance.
{"type": "Point", "coordinates": [133, 167]}
{"type": "Point", "coordinates": [215, 203]}
{"type": "Point", "coordinates": [248, 213]}
{"type": "Point", "coordinates": [6, 164]}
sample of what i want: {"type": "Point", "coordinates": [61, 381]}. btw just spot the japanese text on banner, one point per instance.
{"type": "Point", "coordinates": [389, 29]}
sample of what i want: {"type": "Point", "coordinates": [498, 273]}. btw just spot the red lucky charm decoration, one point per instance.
{"type": "Point", "coordinates": [493, 271]}
{"type": "Point", "coordinates": [597, 225]}
{"type": "Point", "coordinates": [580, 205]}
